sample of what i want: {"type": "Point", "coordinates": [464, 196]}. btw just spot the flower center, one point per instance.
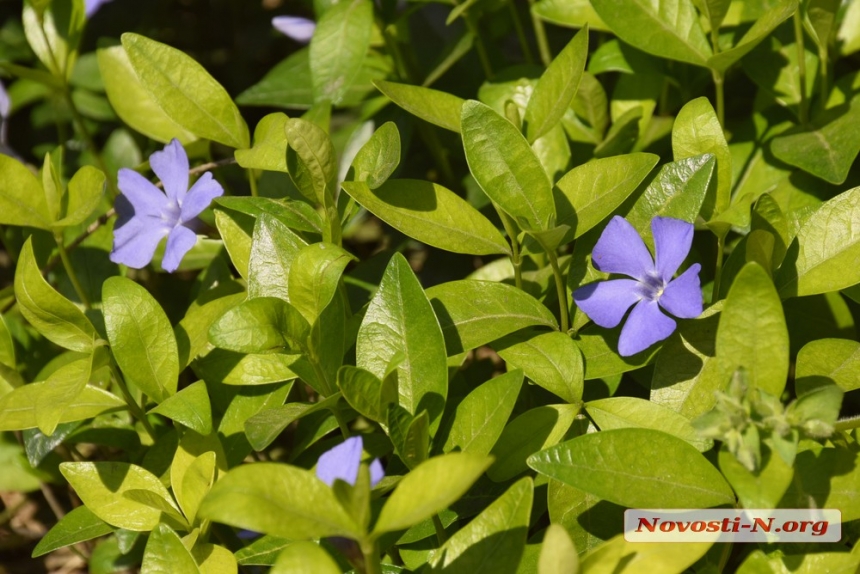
{"type": "Point", "coordinates": [171, 212]}
{"type": "Point", "coordinates": [652, 286]}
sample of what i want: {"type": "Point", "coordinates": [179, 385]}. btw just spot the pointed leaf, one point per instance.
{"type": "Point", "coordinates": [305, 558]}
{"type": "Point", "coordinates": [79, 525]}
{"type": "Point", "coordinates": [338, 48]}
{"type": "Point", "coordinates": [438, 108]}
{"type": "Point", "coordinates": [379, 157]}
{"type": "Point", "coordinates": [190, 407]}
{"type": "Point", "coordinates": [551, 360]}
{"type": "Point", "coordinates": [260, 325]}
{"type": "Point", "coordinates": [165, 554]}
{"type": "Point", "coordinates": [270, 145]}
{"type": "Point", "coordinates": [21, 199]}
{"type": "Point", "coordinates": [314, 278]}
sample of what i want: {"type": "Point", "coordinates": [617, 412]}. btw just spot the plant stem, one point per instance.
{"type": "Point", "coordinates": [718, 271]}
{"type": "Point", "coordinates": [560, 289]}
{"type": "Point", "coordinates": [516, 258]}
{"type": "Point", "coordinates": [540, 35]}
{"type": "Point", "coordinates": [720, 96]}
{"type": "Point", "coordinates": [479, 45]}
{"type": "Point", "coordinates": [370, 552]}
{"type": "Point", "coordinates": [521, 35]}
{"type": "Point", "coordinates": [801, 67]}
{"type": "Point", "coordinates": [847, 424]}
{"type": "Point", "coordinates": [132, 405]}
{"type": "Point", "coordinates": [70, 271]}
{"type": "Point", "coordinates": [252, 179]}
{"type": "Point", "coordinates": [441, 535]}
{"type": "Point", "coordinates": [824, 89]}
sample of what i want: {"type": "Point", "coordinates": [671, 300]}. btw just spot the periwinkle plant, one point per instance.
{"type": "Point", "coordinates": [481, 256]}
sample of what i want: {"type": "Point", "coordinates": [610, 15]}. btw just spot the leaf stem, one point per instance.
{"type": "Point", "coordinates": [252, 180]}
{"type": "Point", "coordinates": [521, 35]}
{"type": "Point", "coordinates": [718, 270]}
{"type": "Point", "coordinates": [132, 405]}
{"type": "Point", "coordinates": [719, 81]}
{"type": "Point", "coordinates": [824, 88]}
{"type": "Point", "coordinates": [479, 45]}
{"type": "Point", "coordinates": [801, 67]}
{"type": "Point", "coordinates": [441, 535]}
{"type": "Point", "coordinates": [516, 258]}
{"type": "Point", "coordinates": [70, 271]}
{"type": "Point", "coordinates": [560, 289]}
{"type": "Point", "coordinates": [370, 552]}
{"type": "Point", "coordinates": [847, 424]}
{"type": "Point", "coordinates": [540, 35]}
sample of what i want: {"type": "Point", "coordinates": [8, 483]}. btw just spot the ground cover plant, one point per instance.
{"type": "Point", "coordinates": [385, 286]}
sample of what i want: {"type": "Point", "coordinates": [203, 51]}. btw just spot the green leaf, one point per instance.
{"type": "Point", "coordinates": [265, 426]}
{"type": "Point", "coordinates": [165, 554]}
{"type": "Point", "coordinates": [295, 214]}
{"type": "Point", "coordinates": [338, 48]}
{"type": "Point", "coordinates": [473, 313]}
{"type": "Point", "coordinates": [665, 28]}
{"type": "Point", "coordinates": [589, 520]}
{"type": "Point", "coordinates": [621, 557]}
{"type": "Point", "coordinates": [557, 86]}
{"type": "Point", "coordinates": [714, 10]}
{"type": "Point", "coordinates": [820, 21]}
{"type": "Point", "coordinates": [64, 386]}
{"type": "Point", "coordinates": [277, 499]}
{"type": "Point", "coordinates": [622, 135]}
{"type": "Point", "coordinates": [214, 559]}
{"type": "Point", "coordinates": [186, 92]}
{"type": "Point", "coordinates": [558, 554]}
{"type": "Point", "coordinates": [305, 558]}
{"type": "Point", "coordinates": [314, 278]}
{"type": "Point", "coordinates": [438, 108]}
{"type": "Point", "coordinates": [637, 468]}
{"type": "Point", "coordinates": [311, 160]}
{"type": "Point", "coordinates": [824, 361]}
{"type": "Point", "coordinates": [697, 131]}
{"type": "Point", "coordinates": [54, 316]}
{"type": "Point", "coordinates": [599, 349]}
{"type": "Point", "coordinates": [101, 485]}
{"type": "Point", "coordinates": [762, 27]}
{"type": "Point", "coordinates": [287, 85]}
{"type": "Point", "coordinates": [494, 541]}
{"type": "Point", "coordinates": [192, 332]}
{"type": "Point", "coordinates": [190, 407]}
{"type": "Point", "coordinates": [627, 412]}
{"type": "Point", "coordinates": [505, 166]}
{"type": "Point", "coordinates": [270, 145]}
{"type": "Point", "coordinates": [79, 525]}
{"type": "Point", "coordinates": [21, 199]}
{"type": "Point", "coordinates": [132, 102]}
{"type": "Point", "coordinates": [530, 432]}
{"type": "Point", "coordinates": [260, 325]}
{"type": "Point", "coordinates": [826, 479]}
{"type": "Point", "coordinates": [366, 393]}
{"type": "Point", "coordinates": [53, 33]}
{"type": "Point", "coordinates": [275, 246]}
{"type": "Point", "coordinates": [379, 157]}
{"type": "Point", "coordinates": [86, 189]}
{"type": "Point", "coordinates": [18, 408]}
{"type": "Point", "coordinates": [409, 435]}
{"type": "Point", "coordinates": [196, 482]}
{"type": "Point", "coordinates": [752, 332]}
{"type": "Point", "coordinates": [592, 191]}
{"type": "Point", "coordinates": [827, 148]}
{"type": "Point", "coordinates": [480, 418]}
{"type": "Point", "coordinates": [551, 360]}
{"type": "Point", "coordinates": [400, 331]}
{"type": "Point", "coordinates": [760, 489]}
{"type": "Point", "coordinates": [431, 214]}
{"type": "Point", "coordinates": [432, 486]}
{"type": "Point", "coordinates": [818, 262]}
{"type": "Point", "coordinates": [570, 13]}
{"type": "Point", "coordinates": [678, 191]}
{"type": "Point", "coordinates": [262, 552]}
{"type": "Point", "coordinates": [141, 338]}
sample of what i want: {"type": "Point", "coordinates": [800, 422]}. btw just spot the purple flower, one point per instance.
{"type": "Point", "coordinates": [621, 250]}
{"type": "Point", "coordinates": [146, 215]}
{"type": "Point", "coordinates": [5, 105]}
{"type": "Point", "coordinates": [299, 29]}
{"type": "Point", "coordinates": [343, 462]}
{"type": "Point", "coordinates": [91, 6]}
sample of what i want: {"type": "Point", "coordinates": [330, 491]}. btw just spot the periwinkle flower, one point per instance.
{"type": "Point", "coordinates": [343, 461]}
{"type": "Point", "coordinates": [91, 6]}
{"type": "Point", "coordinates": [621, 250]}
{"type": "Point", "coordinates": [5, 106]}
{"type": "Point", "coordinates": [157, 215]}
{"type": "Point", "coordinates": [298, 28]}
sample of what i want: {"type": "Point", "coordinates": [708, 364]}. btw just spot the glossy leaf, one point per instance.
{"type": "Point", "coordinates": [505, 166]}
{"type": "Point", "coordinates": [270, 145]}
{"type": "Point", "coordinates": [760, 489]}
{"type": "Point", "coordinates": [558, 554]}
{"type": "Point", "coordinates": [338, 47]}
{"type": "Point", "coordinates": [432, 214]}
{"type": "Point", "coordinates": [823, 361]}
{"type": "Point", "coordinates": [277, 499]}
{"type": "Point", "coordinates": [762, 27]}
{"type": "Point", "coordinates": [315, 275]}
{"type": "Point", "coordinates": [571, 13]}
{"type": "Point", "coordinates": [592, 191]}
{"type": "Point", "coordinates": [141, 338]}
{"type": "Point", "coordinates": [190, 407]}
{"type": "Point", "coordinates": [79, 525]}
{"type": "Point", "coordinates": [637, 468]}
{"type": "Point", "coordinates": [438, 108]}
{"type": "Point", "coordinates": [480, 418]}
{"type": "Point", "coordinates": [551, 360]}
{"type": "Point", "coordinates": [752, 332]}
{"type": "Point", "coordinates": [101, 486]}
{"type": "Point", "coordinates": [379, 157]}
{"type": "Point", "coordinates": [666, 28]}
{"type": "Point", "coordinates": [473, 313]}
{"type": "Point", "coordinates": [366, 393]}
{"type": "Point", "coordinates": [21, 199]}
{"type": "Point", "coordinates": [621, 557]}
{"type": "Point", "coordinates": [54, 316]}
{"type": "Point", "coordinates": [311, 160]}
{"type": "Point", "coordinates": [259, 325]}
{"type": "Point", "coordinates": [165, 553]}
{"type": "Point", "coordinates": [186, 92]}
{"type": "Point", "coordinates": [430, 487]}
{"type": "Point", "coordinates": [554, 92]}
{"type": "Point", "coordinates": [273, 250]}
{"type": "Point", "coordinates": [400, 331]}
{"type": "Point", "coordinates": [493, 541]}
{"type": "Point", "coordinates": [18, 408]}
{"type": "Point", "coordinates": [304, 558]}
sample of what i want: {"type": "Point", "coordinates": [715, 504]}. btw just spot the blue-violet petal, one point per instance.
{"type": "Point", "coordinates": [621, 250]}
{"type": "Point", "coordinates": [645, 325]}
{"type": "Point", "coordinates": [606, 302]}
